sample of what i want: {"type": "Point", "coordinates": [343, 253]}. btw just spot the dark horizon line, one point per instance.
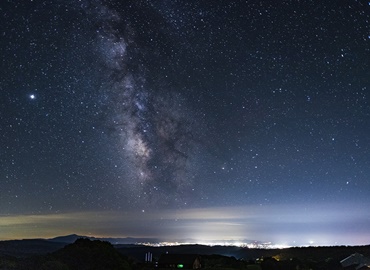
{"type": "Point", "coordinates": [152, 241]}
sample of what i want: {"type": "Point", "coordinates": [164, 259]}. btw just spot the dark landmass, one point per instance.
{"type": "Point", "coordinates": [24, 248]}
{"type": "Point", "coordinates": [85, 253]}
{"type": "Point", "coordinates": [306, 253]}
{"type": "Point", "coordinates": [115, 241]}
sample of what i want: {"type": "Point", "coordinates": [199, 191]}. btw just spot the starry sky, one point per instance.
{"type": "Point", "coordinates": [205, 120]}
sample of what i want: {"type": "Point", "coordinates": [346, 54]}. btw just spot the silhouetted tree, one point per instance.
{"type": "Point", "coordinates": [85, 254]}
{"type": "Point", "coordinates": [269, 264]}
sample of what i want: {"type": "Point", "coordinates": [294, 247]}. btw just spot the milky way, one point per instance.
{"type": "Point", "coordinates": [154, 126]}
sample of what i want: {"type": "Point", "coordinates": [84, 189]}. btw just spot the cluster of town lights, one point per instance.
{"type": "Point", "coordinates": [267, 245]}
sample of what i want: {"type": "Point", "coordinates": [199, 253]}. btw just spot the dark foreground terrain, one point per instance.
{"type": "Point", "coordinates": [86, 254]}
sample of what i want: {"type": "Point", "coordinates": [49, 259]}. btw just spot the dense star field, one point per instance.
{"type": "Point", "coordinates": [203, 120]}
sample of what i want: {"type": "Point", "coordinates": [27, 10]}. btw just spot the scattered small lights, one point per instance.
{"type": "Point", "coordinates": [226, 243]}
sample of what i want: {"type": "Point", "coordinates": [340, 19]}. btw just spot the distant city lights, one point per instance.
{"type": "Point", "coordinates": [258, 245]}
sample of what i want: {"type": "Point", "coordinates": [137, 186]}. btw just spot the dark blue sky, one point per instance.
{"type": "Point", "coordinates": [147, 113]}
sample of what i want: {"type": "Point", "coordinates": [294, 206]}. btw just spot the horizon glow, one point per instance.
{"type": "Point", "coordinates": [279, 225]}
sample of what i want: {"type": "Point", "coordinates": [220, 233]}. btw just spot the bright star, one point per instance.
{"type": "Point", "coordinates": [32, 96]}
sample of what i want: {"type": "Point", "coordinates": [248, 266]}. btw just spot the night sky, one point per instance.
{"type": "Point", "coordinates": [179, 119]}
